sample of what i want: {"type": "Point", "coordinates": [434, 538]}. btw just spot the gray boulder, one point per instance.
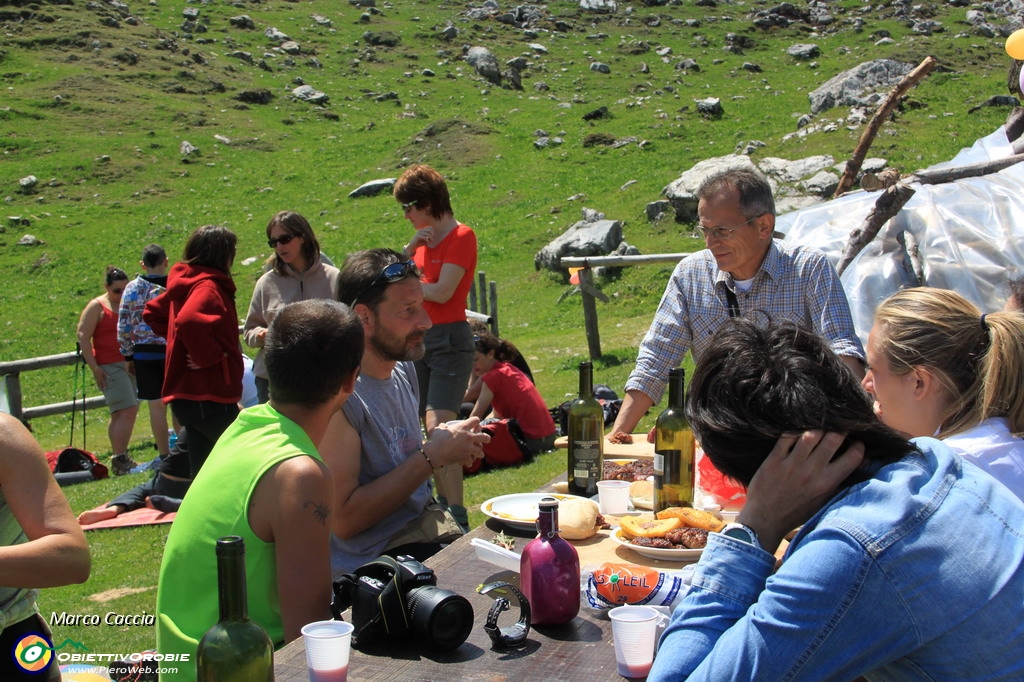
{"type": "Point", "coordinates": [242, 21]}
{"type": "Point", "coordinates": [592, 236]}
{"type": "Point", "coordinates": [307, 93]}
{"type": "Point", "coordinates": [682, 192]}
{"type": "Point", "coordinates": [373, 188]}
{"type": "Point", "coordinates": [862, 85]}
{"type": "Point", "coordinates": [485, 63]}
{"type": "Point", "coordinates": [784, 170]}
{"type": "Point", "coordinates": [276, 35]}
{"type": "Point", "coordinates": [804, 51]}
{"type": "Point", "coordinates": [599, 6]}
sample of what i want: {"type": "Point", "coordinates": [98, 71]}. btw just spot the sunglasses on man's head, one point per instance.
{"type": "Point", "coordinates": [283, 239]}
{"type": "Point", "coordinates": [408, 206]}
{"type": "Point", "coordinates": [389, 275]}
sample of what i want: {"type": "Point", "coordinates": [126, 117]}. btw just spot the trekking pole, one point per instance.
{"type": "Point", "coordinates": [74, 393]}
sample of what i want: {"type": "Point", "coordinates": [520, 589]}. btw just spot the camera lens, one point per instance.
{"type": "Point", "coordinates": [441, 618]}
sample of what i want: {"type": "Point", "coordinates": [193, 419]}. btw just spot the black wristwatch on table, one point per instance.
{"type": "Point", "coordinates": [742, 533]}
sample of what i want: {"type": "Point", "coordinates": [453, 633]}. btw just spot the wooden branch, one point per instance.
{"type": "Point", "coordinates": [888, 205]}
{"type": "Point", "coordinates": [911, 257]}
{"type": "Point", "coordinates": [971, 170]}
{"type": "Point", "coordinates": [881, 115]}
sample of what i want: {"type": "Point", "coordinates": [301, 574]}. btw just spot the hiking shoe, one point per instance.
{"type": "Point", "coordinates": [121, 464]}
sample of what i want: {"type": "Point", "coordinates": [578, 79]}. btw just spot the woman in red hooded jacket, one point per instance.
{"type": "Point", "coordinates": [197, 316]}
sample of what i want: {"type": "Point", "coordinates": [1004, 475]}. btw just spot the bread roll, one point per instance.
{"type": "Point", "coordinates": [577, 518]}
{"type": "Point", "coordinates": [641, 494]}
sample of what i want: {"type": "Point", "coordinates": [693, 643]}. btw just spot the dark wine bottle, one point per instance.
{"type": "Point", "coordinates": [236, 649]}
{"type": "Point", "coordinates": [673, 450]}
{"type": "Point", "coordinates": [586, 437]}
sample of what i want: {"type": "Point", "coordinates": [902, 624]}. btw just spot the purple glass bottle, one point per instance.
{"type": "Point", "coordinates": [549, 571]}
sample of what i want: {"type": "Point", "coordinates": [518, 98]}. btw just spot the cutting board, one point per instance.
{"type": "Point", "coordinates": [638, 449]}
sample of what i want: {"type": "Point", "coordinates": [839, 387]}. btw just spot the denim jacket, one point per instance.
{"type": "Point", "coordinates": [915, 574]}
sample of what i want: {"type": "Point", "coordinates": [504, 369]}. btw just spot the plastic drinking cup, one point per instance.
{"type": "Point", "coordinates": [327, 643]}
{"type": "Point", "coordinates": [633, 632]}
{"type": "Point", "coordinates": [613, 496]}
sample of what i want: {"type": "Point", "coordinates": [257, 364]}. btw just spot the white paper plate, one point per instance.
{"type": "Point", "coordinates": [519, 510]}
{"type": "Point", "coordinates": [684, 555]}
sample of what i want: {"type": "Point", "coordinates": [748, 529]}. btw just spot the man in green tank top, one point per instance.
{"type": "Point", "coordinates": [266, 482]}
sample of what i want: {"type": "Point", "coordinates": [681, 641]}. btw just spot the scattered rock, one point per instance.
{"type": "Point", "coordinates": [261, 96]}
{"type": "Point", "coordinates": [485, 63]}
{"type": "Point", "coordinates": [27, 183]}
{"type": "Point", "coordinates": [373, 188]}
{"type": "Point", "coordinates": [592, 236]}
{"type": "Point", "coordinates": [596, 114]}
{"type": "Point", "coordinates": [710, 107]}
{"type": "Point", "coordinates": [864, 84]}
{"type": "Point", "coordinates": [275, 35]}
{"type": "Point", "coordinates": [804, 51]}
{"type": "Point", "coordinates": [308, 93]}
{"type": "Point", "coordinates": [32, 240]}
{"type": "Point", "coordinates": [600, 67]}
{"type": "Point", "coordinates": [188, 150]}
{"type": "Point", "coordinates": [243, 21]}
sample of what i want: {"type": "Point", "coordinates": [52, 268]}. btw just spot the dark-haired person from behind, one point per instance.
{"type": "Point", "coordinates": [197, 316]}
{"type": "Point", "coordinates": [97, 339]}
{"type": "Point", "coordinates": [146, 351]}
{"type": "Point", "coordinates": [265, 482]}
{"type": "Point", "coordinates": [909, 564]}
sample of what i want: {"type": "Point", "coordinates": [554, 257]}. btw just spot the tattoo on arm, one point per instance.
{"type": "Point", "coordinates": [320, 510]}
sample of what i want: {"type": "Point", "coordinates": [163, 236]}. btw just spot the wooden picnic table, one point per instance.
{"type": "Point", "coordinates": [580, 650]}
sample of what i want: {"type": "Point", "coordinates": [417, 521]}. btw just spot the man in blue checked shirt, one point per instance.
{"type": "Point", "coordinates": [743, 272]}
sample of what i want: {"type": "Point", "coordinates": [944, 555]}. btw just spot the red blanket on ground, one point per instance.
{"type": "Point", "coordinates": [140, 517]}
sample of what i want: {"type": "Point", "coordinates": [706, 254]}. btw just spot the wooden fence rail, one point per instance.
{"type": "Point", "coordinates": [591, 294]}
{"type": "Point", "coordinates": [11, 373]}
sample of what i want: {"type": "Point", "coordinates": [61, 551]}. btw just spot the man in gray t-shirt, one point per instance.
{"type": "Point", "coordinates": [381, 467]}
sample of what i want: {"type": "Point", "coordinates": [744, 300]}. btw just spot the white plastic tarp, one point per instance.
{"type": "Point", "coordinates": [970, 234]}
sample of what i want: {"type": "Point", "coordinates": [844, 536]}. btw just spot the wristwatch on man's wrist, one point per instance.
{"type": "Point", "coordinates": [742, 533]}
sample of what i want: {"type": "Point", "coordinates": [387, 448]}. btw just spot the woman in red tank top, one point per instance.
{"type": "Point", "coordinates": [97, 338]}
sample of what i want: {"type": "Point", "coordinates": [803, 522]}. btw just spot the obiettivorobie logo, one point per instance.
{"type": "Point", "coordinates": [34, 652]}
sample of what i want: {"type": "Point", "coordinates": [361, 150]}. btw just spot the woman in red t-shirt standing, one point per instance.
{"type": "Point", "coordinates": [97, 338]}
{"type": "Point", "coordinates": [444, 250]}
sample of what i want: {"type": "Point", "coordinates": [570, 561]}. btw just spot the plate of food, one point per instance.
{"type": "Point", "coordinates": [519, 510]}
{"type": "Point", "coordinates": [675, 534]}
{"type": "Point", "coordinates": [665, 554]}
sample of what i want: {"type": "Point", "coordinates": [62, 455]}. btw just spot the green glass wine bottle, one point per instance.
{"type": "Point", "coordinates": [236, 649]}
{"type": "Point", "coordinates": [586, 437]}
{"type": "Point", "coordinates": [673, 450]}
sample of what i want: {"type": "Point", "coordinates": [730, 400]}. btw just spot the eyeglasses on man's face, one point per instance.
{"type": "Point", "coordinates": [283, 239]}
{"type": "Point", "coordinates": [389, 275]}
{"type": "Point", "coordinates": [408, 206]}
{"type": "Point", "coordinates": [723, 233]}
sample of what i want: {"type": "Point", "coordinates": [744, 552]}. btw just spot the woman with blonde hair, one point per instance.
{"type": "Point", "coordinates": [298, 273]}
{"type": "Point", "coordinates": [939, 367]}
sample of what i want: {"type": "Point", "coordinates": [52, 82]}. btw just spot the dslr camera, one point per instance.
{"type": "Point", "coordinates": [400, 598]}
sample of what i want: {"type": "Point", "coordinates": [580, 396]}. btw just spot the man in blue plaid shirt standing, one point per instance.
{"type": "Point", "coordinates": [743, 271]}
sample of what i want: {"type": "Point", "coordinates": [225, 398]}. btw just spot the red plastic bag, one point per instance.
{"type": "Point", "coordinates": [730, 494]}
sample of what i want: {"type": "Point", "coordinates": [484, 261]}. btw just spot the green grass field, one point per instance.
{"type": "Point", "coordinates": [96, 107]}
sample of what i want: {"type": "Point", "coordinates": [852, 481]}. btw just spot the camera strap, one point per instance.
{"type": "Point", "coordinates": [391, 600]}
